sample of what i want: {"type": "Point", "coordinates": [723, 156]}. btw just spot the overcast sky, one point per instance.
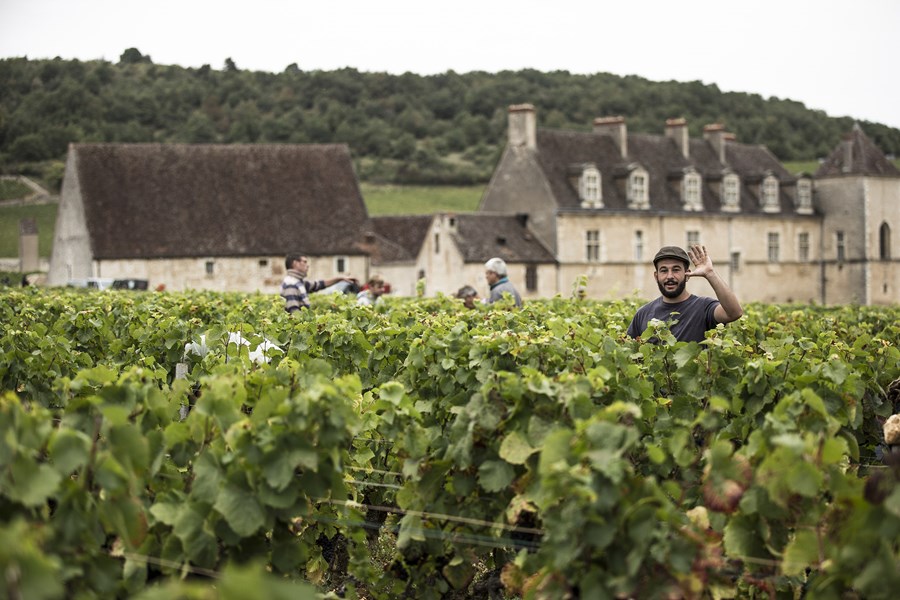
{"type": "Point", "coordinates": [832, 55]}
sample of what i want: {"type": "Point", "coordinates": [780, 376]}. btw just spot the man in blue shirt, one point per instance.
{"type": "Point", "coordinates": [689, 316]}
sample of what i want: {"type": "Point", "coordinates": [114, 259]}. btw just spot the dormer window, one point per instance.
{"type": "Point", "coordinates": [691, 185]}
{"type": "Point", "coordinates": [770, 194]}
{"type": "Point", "coordinates": [589, 188]}
{"type": "Point", "coordinates": [731, 193]}
{"type": "Point", "coordinates": [804, 196]}
{"type": "Point", "coordinates": [637, 189]}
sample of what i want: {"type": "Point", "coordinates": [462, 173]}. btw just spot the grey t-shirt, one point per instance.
{"type": "Point", "coordinates": [498, 289]}
{"type": "Point", "coordinates": [695, 316]}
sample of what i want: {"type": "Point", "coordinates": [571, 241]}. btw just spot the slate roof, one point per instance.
{"type": "Point", "coordinates": [186, 200]}
{"type": "Point", "coordinates": [865, 158]}
{"type": "Point", "coordinates": [480, 236]}
{"type": "Point", "coordinates": [398, 238]}
{"type": "Point", "coordinates": [562, 153]}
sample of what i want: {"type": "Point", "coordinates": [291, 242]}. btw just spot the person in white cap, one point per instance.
{"type": "Point", "coordinates": [496, 275]}
{"type": "Point", "coordinates": [695, 314]}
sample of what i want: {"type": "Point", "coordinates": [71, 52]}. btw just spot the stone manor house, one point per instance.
{"type": "Point", "coordinates": [561, 207]}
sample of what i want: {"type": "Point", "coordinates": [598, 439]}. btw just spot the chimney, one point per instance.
{"type": "Point", "coordinates": [615, 127]}
{"type": "Point", "coordinates": [522, 126]}
{"type": "Point", "coordinates": [28, 245]}
{"type": "Point", "coordinates": [716, 135]}
{"type": "Point", "coordinates": [678, 131]}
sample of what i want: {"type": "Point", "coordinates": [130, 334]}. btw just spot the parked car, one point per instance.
{"type": "Point", "coordinates": [130, 284]}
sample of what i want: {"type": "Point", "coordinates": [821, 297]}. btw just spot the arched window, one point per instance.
{"type": "Point", "coordinates": [884, 241]}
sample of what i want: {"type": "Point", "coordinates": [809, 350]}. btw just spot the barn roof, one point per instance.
{"type": "Point", "coordinates": [183, 200]}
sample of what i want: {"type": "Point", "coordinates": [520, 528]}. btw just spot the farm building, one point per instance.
{"type": "Point", "coordinates": [218, 217]}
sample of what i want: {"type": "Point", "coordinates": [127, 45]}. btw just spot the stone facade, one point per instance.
{"type": "Point", "coordinates": [776, 238]}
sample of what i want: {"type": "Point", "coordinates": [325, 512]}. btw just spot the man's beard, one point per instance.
{"type": "Point", "coordinates": [674, 293]}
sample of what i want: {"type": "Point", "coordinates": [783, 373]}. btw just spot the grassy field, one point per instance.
{"type": "Point", "coordinates": [10, 190]}
{"type": "Point", "coordinates": [9, 227]}
{"type": "Point", "coordinates": [415, 200]}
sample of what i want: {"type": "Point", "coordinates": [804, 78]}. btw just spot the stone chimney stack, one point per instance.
{"type": "Point", "coordinates": [522, 126]}
{"type": "Point", "coordinates": [615, 127]}
{"type": "Point", "coordinates": [717, 136]}
{"type": "Point", "coordinates": [28, 246]}
{"type": "Point", "coordinates": [678, 131]}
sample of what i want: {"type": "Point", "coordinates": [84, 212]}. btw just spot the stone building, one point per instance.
{"type": "Point", "coordinates": [604, 201]}
{"type": "Point", "coordinates": [217, 217]}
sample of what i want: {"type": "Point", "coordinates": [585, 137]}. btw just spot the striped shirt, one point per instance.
{"type": "Point", "coordinates": [296, 290]}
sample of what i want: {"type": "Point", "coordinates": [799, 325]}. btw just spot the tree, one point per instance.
{"type": "Point", "coordinates": [229, 65]}
{"type": "Point", "coordinates": [133, 56]}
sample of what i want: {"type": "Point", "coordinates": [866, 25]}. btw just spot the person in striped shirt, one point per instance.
{"type": "Point", "coordinates": [295, 288]}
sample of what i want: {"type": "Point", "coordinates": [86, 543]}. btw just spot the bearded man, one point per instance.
{"type": "Point", "coordinates": [689, 316]}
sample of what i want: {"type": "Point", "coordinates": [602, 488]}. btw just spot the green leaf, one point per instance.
{"type": "Point", "coordinates": [32, 483]}
{"type": "Point", "coordinates": [892, 502]}
{"type": "Point", "coordinates": [495, 475]}
{"type": "Point", "coordinates": [69, 450]}
{"type": "Point", "coordinates": [801, 552]}
{"type": "Point", "coordinates": [515, 448]}
{"type": "Point", "coordinates": [240, 509]}
{"type": "Point", "coordinates": [805, 479]}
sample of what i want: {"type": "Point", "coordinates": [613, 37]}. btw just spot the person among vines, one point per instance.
{"type": "Point", "coordinates": [468, 295]}
{"type": "Point", "coordinates": [295, 288]}
{"type": "Point", "coordinates": [496, 274]}
{"type": "Point", "coordinates": [689, 316]}
{"type": "Point", "coordinates": [373, 291]}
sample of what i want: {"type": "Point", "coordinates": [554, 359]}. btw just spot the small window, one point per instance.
{"type": "Point", "coordinates": [884, 241]}
{"type": "Point", "coordinates": [437, 243]}
{"type": "Point", "coordinates": [803, 246]}
{"type": "Point", "coordinates": [210, 267]}
{"type": "Point", "coordinates": [804, 196]}
{"type": "Point", "coordinates": [263, 263]}
{"type": "Point", "coordinates": [590, 188]}
{"type": "Point", "coordinates": [340, 264]}
{"type": "Point", "coordinates": [840, 245]}
{"type": "Point", "coordinates": [731, 193]}
{"type": "Point", "coordinates": [531, 278]}
{"type": "Point", "coordinates": [770, 194]}
{"type": "Point", "coordinates": [452, 222]}
{"type": "Point", "coordinates": [638, 246]}
{"type": "Point", "coordinates": [638, 194]}
{"type": "Point", "coordinates": [735, 261]}
{"type": "Point", "coordinates": [693, 238]}
{"type": "Point", "coordinates": [690, 191]}
{"type": "Point", "coordinates": [592, 245]}
{"type": "Point", "coordinates": [774, 247]}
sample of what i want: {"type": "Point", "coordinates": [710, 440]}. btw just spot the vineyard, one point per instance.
{"type": "Point", "coordinates": [200, 445]}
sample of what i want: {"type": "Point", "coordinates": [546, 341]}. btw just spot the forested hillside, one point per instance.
{"type": "Point", "coordinates": [447, 128]}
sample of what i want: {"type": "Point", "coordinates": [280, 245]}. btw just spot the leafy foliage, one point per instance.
{"type": "Point", "coordinates": [417, 448]}
{"type": "Point", "coordinates": [439, 129]}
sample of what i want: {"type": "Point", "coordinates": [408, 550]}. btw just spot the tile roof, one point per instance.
{"type": "Point", "coordinates": [480, 236]}
{"type": "Point", "coordinates": [865, 158]}
{"type": "Point", "coordinates": [562, 154]}
{"type": "Point", "coordinates": [398, 238]}
{"type": "Point", "coordinates": [181, 200]}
